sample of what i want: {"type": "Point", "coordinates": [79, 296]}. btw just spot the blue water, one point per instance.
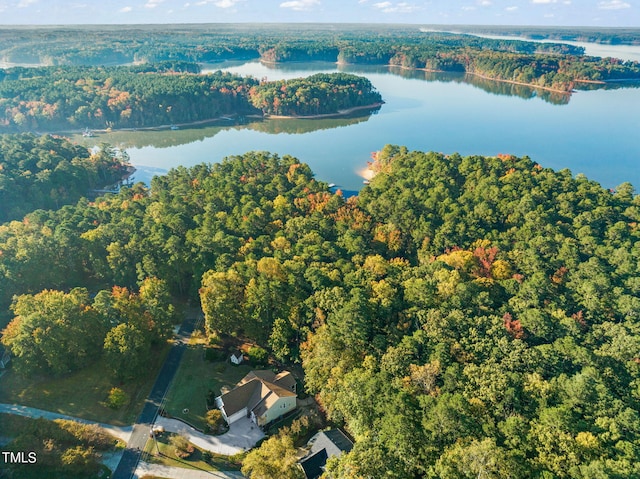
{"type": "Point", "coordinates": [595, 133]}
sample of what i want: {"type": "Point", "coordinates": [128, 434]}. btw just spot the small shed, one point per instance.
{"type": "Point", "coordinates": [237, 357]}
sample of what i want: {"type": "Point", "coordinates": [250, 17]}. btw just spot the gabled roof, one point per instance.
{"type": "Point", "coordinates": [258, 391]}
{"type": "Point", "coordinates": [334, 441]}
{"type": "Point", "coordinates": [326, 444]}
{"type": "Point", "coordinates": [312, 465]}
{"type": "Point", "coordinates": [239, 397]}
{"type": "Point", "coordinates": [286, 380]}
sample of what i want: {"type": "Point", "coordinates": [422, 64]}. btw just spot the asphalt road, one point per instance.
{"type": "Point", "coordinates": [141, 428]}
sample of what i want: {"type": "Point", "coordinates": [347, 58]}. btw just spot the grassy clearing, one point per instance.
{"type": "Point", "coordinates": [167, 457]}
{"type": "Point", "coordinates": [82, 394]}
{"type": "Point", "coordinates": [51, 442]}
{"type": "Point", "coordinates": [194, 379]}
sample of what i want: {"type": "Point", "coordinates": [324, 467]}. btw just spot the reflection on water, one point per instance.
{"type": "Point", "coordinates": [166, 138]}
{"type": "Point", "coordinates": [284, 71]}
{"type": "Point", "coordinates": [594, 134]}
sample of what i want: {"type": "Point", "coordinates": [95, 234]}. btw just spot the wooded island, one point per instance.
{"type": "Point", "coordinates": [59, 98]}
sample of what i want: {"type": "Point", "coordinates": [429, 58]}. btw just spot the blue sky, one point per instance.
{"type": "Point", "coordinates": [622, 13]}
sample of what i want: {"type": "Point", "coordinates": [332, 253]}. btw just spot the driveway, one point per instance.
{"type": "Point", "coordinates": [157, 470]}
{"type": "Point", "coordinates": [242, 436]}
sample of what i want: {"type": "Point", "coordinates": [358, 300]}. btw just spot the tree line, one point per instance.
{"type": "Point", "coordinates": [52, 98]}
{"type": "Point", "coordinates": [550, 65]}
{"type": "Point", "coordinates": [47, 172]}
{"type": "Point", "coordinates": [462, 317]}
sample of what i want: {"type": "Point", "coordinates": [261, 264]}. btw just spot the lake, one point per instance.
{"type": "Point", "coordinates": [591, 132]}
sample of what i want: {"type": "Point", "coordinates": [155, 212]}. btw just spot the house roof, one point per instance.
{"type": "Point", "coordinates": [237, 353]}
{"type": "Point", "coordinates": [257, 391]}
{"type": "Point", "coordinates": [286, 380]}
{"type": "Point", "coordinates": [334, 441]}
{"type": "Point", "coordinates": [239, 397]}
{"type": "Point", "coordinates": [326, 444]}
{"type": "Point", "coordinates": [312, 465]}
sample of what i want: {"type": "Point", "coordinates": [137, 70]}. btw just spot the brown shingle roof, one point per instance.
{"type": "Point", "coordinates": [258, 391]}
{"type": "Point", "coordinates": [239, 397]}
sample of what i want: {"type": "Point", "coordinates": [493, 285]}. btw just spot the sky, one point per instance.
{"type": "Point", "coordinates": [611, 13]}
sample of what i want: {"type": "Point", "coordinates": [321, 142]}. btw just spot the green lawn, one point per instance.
{"type": "Point", "coordinates": [82, 393]}
{"type": "Point", "coordinates": [195, 461]}
{"type": "Point", "coordinates": [193, 381]}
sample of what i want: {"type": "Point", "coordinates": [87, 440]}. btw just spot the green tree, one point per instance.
{"type": "Point", "coordinates": [54, 332]}
{"type": "Point", "coordinates": [126, 351]}
{"type": "Point", "coordinates": [222, 298]}
{"type": "Point", "coordinates": [276, 457]}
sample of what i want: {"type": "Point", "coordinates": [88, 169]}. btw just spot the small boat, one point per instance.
{"type": "Point", "coordinates": [366, 182]}
{"type": "Point", "coordinates": [87, 133]}
{"type": "Point", "coordinates": [173, 127]}
{"type": "Point", "coordinates": [332, 185]}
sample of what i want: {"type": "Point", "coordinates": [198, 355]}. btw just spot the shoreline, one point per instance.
{"type": "Point", "coordinates": [429, 70]}
{"type": "Point", "coordinates": [150, 128]}
{"type": "Point", "coordinates": [325, 115]}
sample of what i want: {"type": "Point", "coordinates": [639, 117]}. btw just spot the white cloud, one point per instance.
{"type": "Point", "coordinates": [153, 3]}
{"type": "Point", "coordinates": [613, 5]}
{"type": "Point", "coordinates": [544, 1]}
{"type": "Point", "coordinates": [26, 3]}
{"type": "Point", "coordinates": [125, 9]}
{"type": "Point", "coordinates": [484, 3]}
{"type": "Point", "coordinates": [226, 3]}
{"type": "Point", "coordinates": [299, 5]}
{"type": "Point", "coordinates": [217, 3]}
{"type": "Point", "coordinates": [513, 8]}
{"type": "Point", "coordinates": [468, 8]}
{"type": "Point", "coordinates": [400, 7]}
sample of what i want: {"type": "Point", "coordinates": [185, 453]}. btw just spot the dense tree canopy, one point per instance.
{"type": "Point", "coordinates": [46, 172]}
{"type": "Point", "coordinates": [155, 95]}
{"type": "Point", "coordinates": [462, 317]}
{"type": "Point", "coordinates": [550, 65]}
{"type": "Point", "coordinates": [54, 98]}
{"type": "Point", "coordinates": [321, 93]}
{"type": "Point", "coordinates": [55, 332]}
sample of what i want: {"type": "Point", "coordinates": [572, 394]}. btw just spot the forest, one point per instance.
{"type": "Point", "coordinates": [602, 35]}
{"type": "Point", "coordinates": [554, 66]}
{"type": "Point", "coordinates": [58, 98]}
{"type": "Point", "coordinates": [47, 172]}
{"type": "Point", "coordinates": [461, 317]}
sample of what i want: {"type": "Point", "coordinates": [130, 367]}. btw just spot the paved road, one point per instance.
{"type": "Point", "coordinates": [123, 433]}
{"type": "Point", "coordinates": [141, 428]}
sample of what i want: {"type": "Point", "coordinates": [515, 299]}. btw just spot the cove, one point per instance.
{"type": "Point", "coordinates": [590, 132]}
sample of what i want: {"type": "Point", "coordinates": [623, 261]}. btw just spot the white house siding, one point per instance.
{"type": "Point", "coordinates": [234, 417]}
{"type": "Point", "coordinates": [239, 415]}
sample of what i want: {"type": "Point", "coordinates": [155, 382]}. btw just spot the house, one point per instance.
{"type": "Point", "coordinates": [325, 444]}
{"type": "Point", "coordinates": [263, 396]}
{"type": "Point", "coordinates": [5, 357]}
{"type": "Point", "coordinates": [236, 357]}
